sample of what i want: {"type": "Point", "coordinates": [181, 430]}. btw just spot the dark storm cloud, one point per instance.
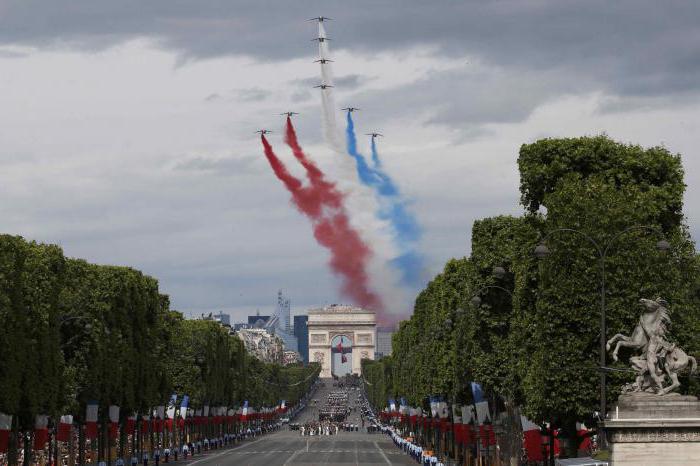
{"type": "Point", "coordinates": [631, 47]}
{"type": "Point", "coordinates": [464, 99]}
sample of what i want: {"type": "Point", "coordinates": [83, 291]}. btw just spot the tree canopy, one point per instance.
{"type": "Point", "coordinates": [533, 335]}
{"type": "Point", "coordinates": [74, 332]}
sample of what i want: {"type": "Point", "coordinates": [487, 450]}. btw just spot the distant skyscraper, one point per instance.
{"type": "Point", "coordinates": [252, 320]}
{"type": "Point", "coordinates": [384, 335]}
{"type": "Point", "coordinates": [223, 319]}
{"type": "Point", "coordinates": [288, 339]}
{"type": "Point", "coordinates": [301, 331]}
{"type": "Point", "coordinates": [283, 311]}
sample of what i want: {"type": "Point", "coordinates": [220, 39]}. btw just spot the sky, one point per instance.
{"type": "Point", "coordinates": [127, 128]}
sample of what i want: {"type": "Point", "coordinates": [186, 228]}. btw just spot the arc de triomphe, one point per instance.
{"type": "Point", "coordinates": [358, 325]}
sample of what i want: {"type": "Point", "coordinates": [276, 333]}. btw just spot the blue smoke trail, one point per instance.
{"type": "Point", "coordinates": [381, 183]}
{"type": "Point", "coordinates": [392, 208]}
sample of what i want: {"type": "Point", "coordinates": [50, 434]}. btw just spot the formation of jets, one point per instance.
{"type": "Point", "coordinates": [322, 61]}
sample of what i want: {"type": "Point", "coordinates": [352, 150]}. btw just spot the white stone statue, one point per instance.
{"type": "Point", "coordinates": [655, 357]}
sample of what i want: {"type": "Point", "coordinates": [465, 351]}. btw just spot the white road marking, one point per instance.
{"type": "Point", "coordinates": [291, 457]}
{"type": "Point", "coordinates": [225, 452]}
{"type": "Point", "coordinates": [381, 452]}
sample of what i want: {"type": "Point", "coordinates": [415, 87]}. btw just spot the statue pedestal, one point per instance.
{"type": "Point", "coordinates": [652, 430]}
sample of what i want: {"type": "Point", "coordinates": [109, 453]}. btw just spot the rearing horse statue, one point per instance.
{"type": "Point", "coordinates": [655, 357]}
{"type": "Point", "coordinates": [640, 339]}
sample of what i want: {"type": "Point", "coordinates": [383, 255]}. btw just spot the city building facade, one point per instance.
{"type": "Point", "coordinates": [291, 357]}
{"type": "Point", "coordinates": [301, 331]}
{"type": "Point", "coordinates": [262, 344]}
{"type": "Point", "coordinates": [332, 323]}
{"type": "Point", "coordinates": [258, 320]}
{"type": "Point", "coordinates": [223, 319]}
{"type": "Point", "coordinates": [384, 335]}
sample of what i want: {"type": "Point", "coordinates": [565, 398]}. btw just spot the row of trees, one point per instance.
{"type": "Point", "coordinates": [532, 336]}
{"type": "Point", "coordinates": [73, 332]}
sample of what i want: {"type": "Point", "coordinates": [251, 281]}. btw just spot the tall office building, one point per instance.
{"type": "Point", "coordinates": [284, 306]}
{"type": "Point", "coordinates": [223, 319]}
{"type": "Point", "coordinates": [253, 320]}
{"type": "Point", "coordinates": [301, 331]}
{"type": "Point", "coordinates": [384, 335]}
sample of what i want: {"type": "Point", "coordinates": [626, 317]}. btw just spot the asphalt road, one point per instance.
{"type": "Point", "coordinates": [290, 448]}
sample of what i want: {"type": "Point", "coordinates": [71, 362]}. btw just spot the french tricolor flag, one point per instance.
{"type": "Point", "coordinates": [65, 426]}
{"type": "Point", "coordinates": [532, 439]}
{"type": "Point", "coordinates": [5, 428]}
{"type": "Point", "coordinates": [91, 420]}
{"type": "Point", "coordinates": [244, 413]}
{"type": "Point", "coordinates": [41, 431]}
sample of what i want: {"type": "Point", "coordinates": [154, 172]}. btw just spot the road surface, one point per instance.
{"type": "Point", "coordinates": [290, 448]}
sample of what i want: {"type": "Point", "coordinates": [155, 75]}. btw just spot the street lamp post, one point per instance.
{"type": "Point", "coordinates": [498, 272]}
{"type": "Point", "coordinates": [88, 325]}
{"type": "Point", "coordinates": [542, 251]}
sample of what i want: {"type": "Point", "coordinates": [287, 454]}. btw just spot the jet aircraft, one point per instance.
{"type": "Point", "coordinates": [320, 39]}
{"type": "Point", "coordinates": [263, 131]}
{"type": "Point", "coordinates": [374, 135]}
{"type": "Point", "coordinates": [323, 86]}
{"type": "Point", "coordinates": [323, 61]}
{"type": "Point", "coordinates": [321, 19]}
{"type": "Point", "coordinates": [351, 109]}
{"type": "Point", "coordinates": [289, 114]}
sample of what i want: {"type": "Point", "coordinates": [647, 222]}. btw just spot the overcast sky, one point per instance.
{"type": "Point", "coordinates": [126, 127]}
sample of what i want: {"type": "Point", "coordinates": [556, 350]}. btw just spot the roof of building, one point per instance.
{"type": "Point", "coordinates": [340, 309]}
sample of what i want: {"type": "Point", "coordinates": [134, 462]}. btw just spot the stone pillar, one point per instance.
{"type": "Point", "coordinates": [651, 430]}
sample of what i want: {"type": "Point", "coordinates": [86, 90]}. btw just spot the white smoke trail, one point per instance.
{"type": "Point", "coordinates": [361, 202]}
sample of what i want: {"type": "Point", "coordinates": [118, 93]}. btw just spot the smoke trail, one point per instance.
{"type": "Point", "coordinates": [360, 202]}
{"type": "Point", "coordinates": [326, 190]}
{"type": "Point", "coordinates": [375, 156]}
{"type": "Point", "coordinates": [368, 176]}
{"type": "Point", "coordinates": [349, 254]}
{"type": "Point", "coordinates": [392, 208]}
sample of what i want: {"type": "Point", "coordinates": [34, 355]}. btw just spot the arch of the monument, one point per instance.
{"type": "Point", "coordinates": [341, 355]}
{"type": "Point", "coordinates": [356, 324]}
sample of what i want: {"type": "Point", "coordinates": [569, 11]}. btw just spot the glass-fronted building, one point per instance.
{"type": "Point", "coordinates": [301, 331]}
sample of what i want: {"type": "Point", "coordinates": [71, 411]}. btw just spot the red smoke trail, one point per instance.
{"type": "Point", "coordinates": [330, 195]}
{"type": "Point", "coordinates": [304, 198]}
{"type": "Point", "coordinates": [349, 254]}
